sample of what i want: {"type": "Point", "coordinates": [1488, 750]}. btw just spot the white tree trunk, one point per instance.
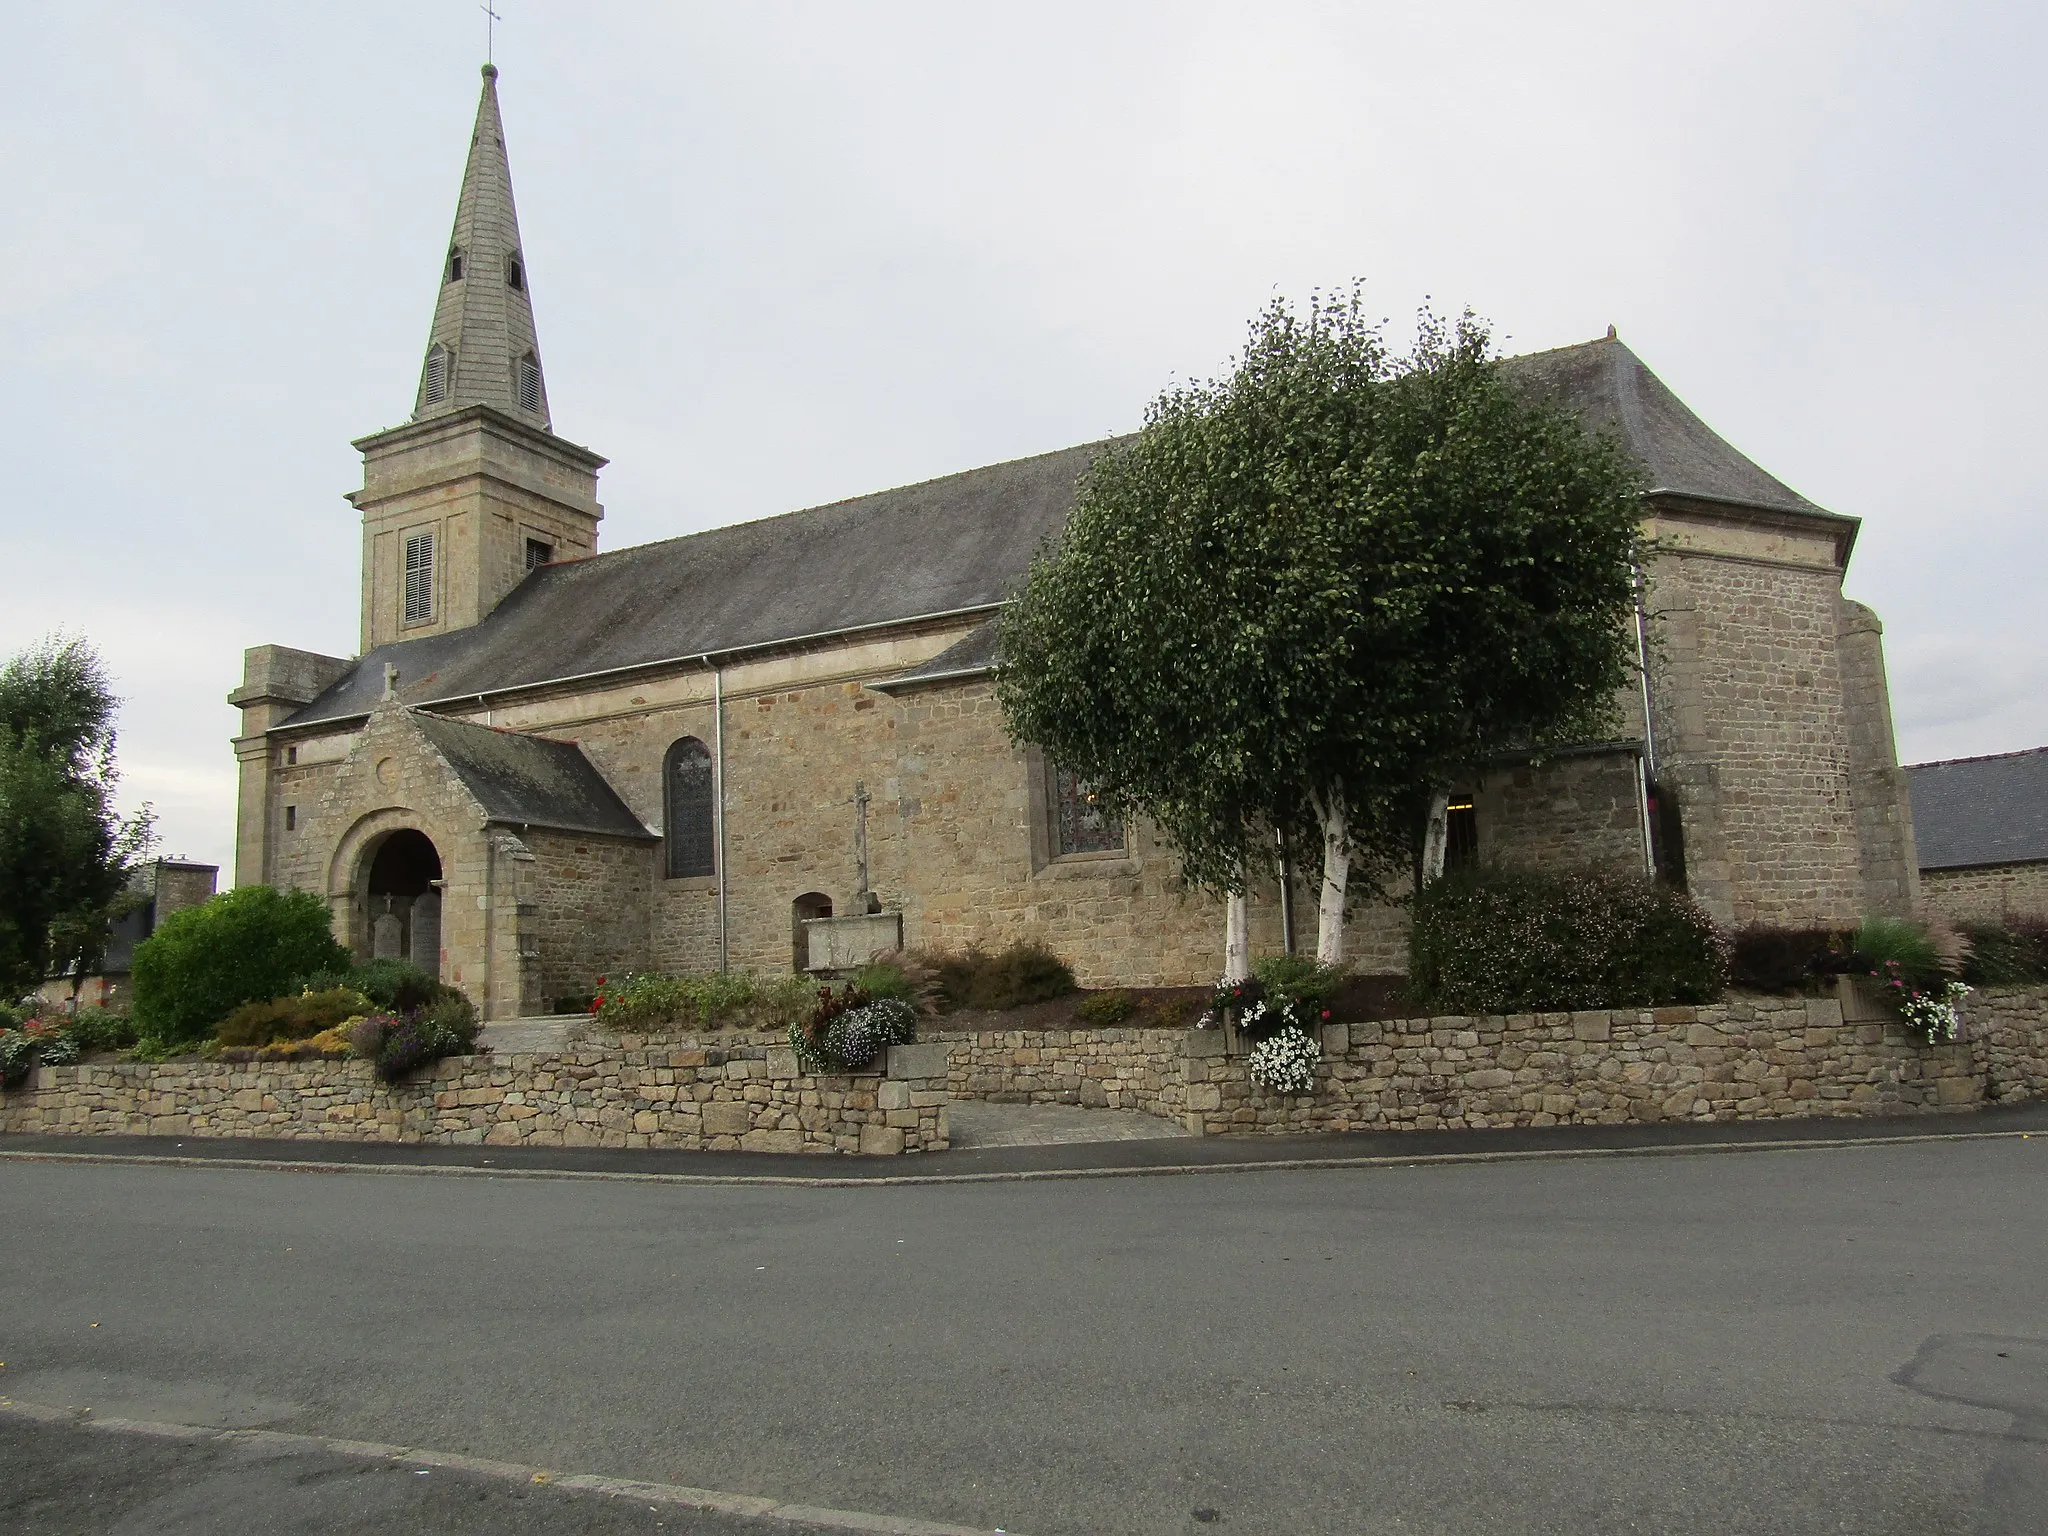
{"type": "Point", "coordinates": [1437, 838]}
{"type": "Point", "coordinates": [1237, 937]}
{"type": "Point", "coordinates": [1336, 872]}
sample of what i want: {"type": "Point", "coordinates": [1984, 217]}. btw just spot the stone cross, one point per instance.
{"type": "Point", "coordinates": [863, 899]}
{"type": "Point", "coordinates": [390, 681]}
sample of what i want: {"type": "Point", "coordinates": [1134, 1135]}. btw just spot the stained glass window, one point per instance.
{"type": "Point", "coordinates": [692, 819]}
{"type": "Point", "coordinates": [1080, 824]}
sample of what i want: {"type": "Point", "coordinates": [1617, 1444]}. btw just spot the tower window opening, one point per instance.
{"type": "Point", "coordinates": [538, 553]}
{"type": "Point", "coordinates": [1461, 835]}
{"type": "Point", "coordinates": [419, 578]}
{"type": "Point", "coordinates": [526, 373]}
{"type": "Point", "coordinates": [440, 368]}
{"type": "Point", "coordinates": [515, 271]}
{"type": "Point", "coordinates": [454, 264]}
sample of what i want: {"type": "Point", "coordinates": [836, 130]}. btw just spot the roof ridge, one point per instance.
{"type": "Point", "coordinates": [831, 506]}
{"type": "Point", "coordinates": [1983, 757]}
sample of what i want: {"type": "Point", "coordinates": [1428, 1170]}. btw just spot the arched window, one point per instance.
{"type": "Point", "coordinates": [454, 264]}
{"type": "Point", "coordinates": [526, 375]}
{"type": "Point", "coordinates": [515, 271]}
{"type": "Point", "coordinates": [440, 373]}
{"type": "Point", "coordinates": [691, 816]}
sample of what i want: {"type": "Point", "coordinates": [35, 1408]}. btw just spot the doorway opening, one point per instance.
{"type": "Point", "coordinates": [810, 905]}
{"type": "Point", "coordinates": [404, 906]}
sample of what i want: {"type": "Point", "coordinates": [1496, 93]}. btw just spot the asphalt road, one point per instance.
{"type": "Point", "coordinates": [1852, 1340]}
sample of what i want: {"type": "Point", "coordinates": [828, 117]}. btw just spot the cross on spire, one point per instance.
{"type": "Point", "coordinates": [490, 31]}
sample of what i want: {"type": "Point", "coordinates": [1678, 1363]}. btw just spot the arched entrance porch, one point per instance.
{"type": "Point", "coordinates": [400, 885]}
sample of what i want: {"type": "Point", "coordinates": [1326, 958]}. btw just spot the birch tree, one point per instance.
{"type": "Point", "coordinates": [1310, 594]}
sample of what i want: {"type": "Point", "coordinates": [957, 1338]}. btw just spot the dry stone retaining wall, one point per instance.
{"type": "Point", "coordinates": [737, 1098]}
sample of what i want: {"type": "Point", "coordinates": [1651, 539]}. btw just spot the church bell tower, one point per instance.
{"type": "Point", "coordinates": [472, 493]}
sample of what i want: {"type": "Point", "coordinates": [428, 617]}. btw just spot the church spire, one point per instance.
{"type": "Point", "coordinates": [483, 350]}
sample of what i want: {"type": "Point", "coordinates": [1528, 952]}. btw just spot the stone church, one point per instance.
{"type": "Point", "coordinates": [776, 744]}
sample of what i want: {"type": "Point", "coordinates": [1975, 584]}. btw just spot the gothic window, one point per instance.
{"type": "Point", "coordinates": [691, 816]}
{"type": "Point", "coordinates": [419, 578]}
{"type": "Point", "coordinates": [454, 264]}
{"type": "Point", "coordinates": [538, 553]}
{"type": "Point", "coordinates": [515, 271]}
{"type": "Point", "coordinates": [526, 373]}
{"type": "Point", "coordinates": [1461, 835]}
{"type": "Point", "coordinates": [1080, 824]}
{"type": "Point", "coordinates": [440, 373]}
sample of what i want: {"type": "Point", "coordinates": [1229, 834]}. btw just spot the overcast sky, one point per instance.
{"type": "Point", "coordinates": [786, 253]}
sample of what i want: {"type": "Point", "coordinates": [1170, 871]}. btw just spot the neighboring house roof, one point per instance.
{"type": "Point", "coordinates": [943, 546]}
{"type": "Point", "coordinates": [1981, 810]}
{"type": "Point", "coordinates": [530, 780]}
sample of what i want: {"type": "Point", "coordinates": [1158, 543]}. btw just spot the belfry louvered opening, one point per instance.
{"type": "Point", "coordinates": [526, 375]}
{"type": "Point", "coordinates": [440, 373]}
{"type": "Point", "coordinates": [419, 578]}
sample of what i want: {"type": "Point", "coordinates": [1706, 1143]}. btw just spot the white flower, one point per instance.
{"type": "Point", "coordinates": [1286, 1062]}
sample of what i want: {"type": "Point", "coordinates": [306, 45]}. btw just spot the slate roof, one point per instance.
{"type": "Point", "coordinates": [944, 546]}
{"type": "Point", "coordinates": [530, 780]}
{"type": "Point", "coordinates": [1606, 385]}
{"type": "Point", "coordinates": [1981, 810]}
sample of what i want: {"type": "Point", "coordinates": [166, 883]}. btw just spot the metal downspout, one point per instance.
{"type": "Point", "coordinates": [718, 798]}
{"type": "Point", "coordinates": [1646, 765]}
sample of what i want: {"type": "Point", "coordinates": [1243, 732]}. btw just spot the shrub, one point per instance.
{"type": "Point", "coordinates": [576, 1002]}
{"type": "Point", "coordinates": [1897, 943]}
{"type": "Point", "coordinates": [291, 1018]}
{"type": "Point", "coordinates": [245, 945]}
{"type": "Point", "coordinates": [1301, 988]}
{"type": "Point", "coordinates": [850, 1037]}
{"type": "Point", "coordinates": [1764, 958]}
{"type": "Point", "coordinates": [1105, 1010]}
{"type": "Point", "coordinates": [703, 998]}
{"type": "Point", "coordinates": [2008, 953]}
{"type": "Point", "coordinates": [102, 1029]}
{"type": "Point", "coordinates": [402, 1043]}
{"type": "Point", "coordinates": [1024, 973]}
{"type": "Point", "coordinates": [1504, 940]}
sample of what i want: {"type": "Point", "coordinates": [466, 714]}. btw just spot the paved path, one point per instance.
{"type": "Point", "coordinates": [1792, 1341]}
{"type": "Point", "coordinates": [974, 1124]}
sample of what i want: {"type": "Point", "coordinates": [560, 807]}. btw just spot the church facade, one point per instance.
{"type": "Point", "coordinates": [776, 744]}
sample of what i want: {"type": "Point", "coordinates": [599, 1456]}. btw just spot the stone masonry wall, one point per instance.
{"type": "Point", "coordinates": [1753, 1059]}
{"type": "Point", "coordinates": [1751, 726]}
{"type": "Point", "coordinates": [731, 1097]}
{"type": "Point", "coordinates": [1992, 891]}
{"type": "Point", "coordinates": [1097, 1069]}
{"type": "Point", "coordinates": [1576, 809]}
{"type": "Point", "coordinates": [590, 900]}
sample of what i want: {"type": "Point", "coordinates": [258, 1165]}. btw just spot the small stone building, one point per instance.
{"type": "Point", "coordinates": [777, 744]}
{"type": "Point", "coordinates": [159, 888]}
{"type": "Point", "coordinates": [1981, 827]}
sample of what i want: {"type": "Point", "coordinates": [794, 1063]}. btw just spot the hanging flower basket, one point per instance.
{"type": "Point", "coordinates": [1286, 1061]}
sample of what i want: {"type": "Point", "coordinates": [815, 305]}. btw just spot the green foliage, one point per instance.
{"type": "Point", "coordinates": [66, 857]}
{"type": "Point", "coordinates": [1106, 1010]}
{"type": "Point", "coordinates": [1501, 940]}
{"type": "Point", "coordinates": [397, 986]}
{"type": "Point", "coordinates": [1322, 585]}
{"type": "Point", "coordinates": [246, 945]}
{"type": "Point", "coordinates": [1901, 942]}
{"type": "Point", "coordinates": [102, 1029]}
{"type": "Point", "coordinates": [1301, 980]}
{"type": "Point", "coordinates": [705, 999]}
{"type": "Point", "coordinates": [2009, 953]}
{"type": "Point", "coordinates": [1023, 973]}
{"type": "Point", "coordinates": [1786, 961]}
{"type": "Point", "coordinates": [291, 1018]}
{"type": "Point", "coordinates": [884, 978]}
